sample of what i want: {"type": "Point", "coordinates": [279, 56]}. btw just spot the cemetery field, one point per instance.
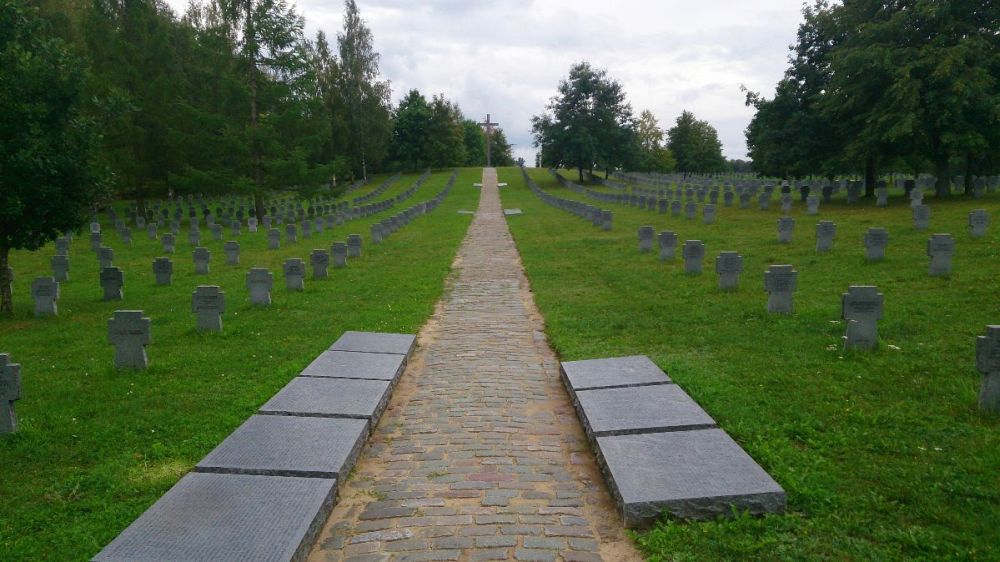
{"type": "Point", "coordinates": [96, 446]}
{"type": "Point", "coordinates": [884, 454]}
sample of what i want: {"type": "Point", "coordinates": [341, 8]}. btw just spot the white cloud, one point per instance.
{"type": "Point", "coordinates": [507, 57]}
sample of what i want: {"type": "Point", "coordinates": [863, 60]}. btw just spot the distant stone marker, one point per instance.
{"type": "Point", "coordinates": [339, 253]}
{"type": "Point", "coordinates": [668, 245]}
{"type": "Point", "coordinates": [488, 125]}
{"type": "Point", "coordinates": [202, 257]}
{"type": "Point", "coordinates": [786, 226]}
{"type": "Point", "coordinates": [729, 265]}
{"type": "Point", "coordinates": [128, 331]}
{"type": "Point", "coordinates": [940, 248]}
{"type": "Point", "coordinates": [780, 281]}
{"type": "Point", "coordinates": [208, 302]}
{"type": "Point", "coordinates": [812, 205]}
{"type": "Point", "coordinates": [60, 267]}
{"type": "Point", "coordinates": [168, 242]}
{"type": "Point", "coordinates": [861, 307]}
{"type": "Point", "coordinates": [295, 273]}
{"type": "Point", "coordinates": [273, 239]}
{"type": "Point", "coordinates": [921, 217]}
{"type": "Point", "coordinates": [646, 238]}
{"type": "Point", "coordinates": [105, 257]}
{"type": "Point", "coordinates": [320, 261]}
{"type": "Point", "coordinates": [979, 222]}
{"type": "Point", "coordinates": [694, 254]}
{"type": "Point", "coordinates": [10, 392]}
{"type": "Point", "coordinates": [825, 233]}
{"type": "Point", "coordinates": [354, 245]}
{"type": "Point", "coordinates": [45, 292]}
{"type": "Point", "coordinates": [708, 214]}
{"type": "Point", "coordinates": [163, 269]}
{"type": "Point", "coordinates": [987, 363]}
{"type": "Point", "coordinates": [260, 281]}
{"type": "Point", "coordinates": [876, 241]}
{"type": "Point", "coordinates": [62, 246]}
{"type": "Point", "coordinates": [291, 233]}
{"type": "Point", "coordinates": [232, 250]}
{"type": "Point", "coordinates": [113, 283]}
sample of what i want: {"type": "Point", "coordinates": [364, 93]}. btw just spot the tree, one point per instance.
{"type": "Point", "coordinates": [695, 145]}
{"type": "Point", "coordinates": [500, 149]}
{"type": "Point", "coordinates": [365, 96]}
{"type": "Point", "coordinates": [587, 122]}
{"type": "Point", "coordinates": [475, 143]}
{"type": "Point", "coordinates": [653, 156]}
{"type": "Point", "coordinates": [49, 179]}
{"type": "Point", "coordinates": [412, 123]}
{"type": "Point", "coordinates": [445, 138]}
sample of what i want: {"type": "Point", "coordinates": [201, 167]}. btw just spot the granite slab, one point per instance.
{"type": "Point", "coordinates": [354, 365]}
{"type": "Point", "coordinates": [699, 474]}
{"type": "Point", "coordinates": [639, 409]}
{"type": "Point", "coordinates": [614, 372]}
{"type": "Point", "coordinates": [331, 398]}
{"type": "Point", "coordinates": [228, 518]}
{"type": "Point", "coordinates": [375, 342]}
{"type": "Point", "coordinates": [290, 446]}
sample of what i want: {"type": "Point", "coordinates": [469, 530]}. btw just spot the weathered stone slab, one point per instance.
{"type": "Point", "coordinates": [510, 212]}
{"type": "Point", "coordinates": [639, 409]}
{"type": "Point", "coordinates": [375, 342]}
{"type": "Point", "coordinates": [331, 398]}
{"type": "Point", "coordinates": [614, 372]}
{"type": "Point", "coordinates": [353, 365]}
{"type": "Point", "coordinates": [290, 446]}
{"type": "Point", "coordinates": [698, 474]}
{"type": "Point", "coordinates": [228, 517]}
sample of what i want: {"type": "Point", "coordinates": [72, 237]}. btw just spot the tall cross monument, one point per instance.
{"type": "Point", "coordinates": [489, 134]}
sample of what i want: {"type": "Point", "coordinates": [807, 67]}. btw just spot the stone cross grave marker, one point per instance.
{"type": "Point", "coordinates": [727, 198]}
{"type": "Point", "coordinates": [339, 253]}
{"type": "Point", "coordinates": [10, 392]}
{"type": "Point", "coordinates": [320, 261]}
{"type": "Point", "coordinates": [921, 217]}
{"type": "Point", "coordinates": [876, 241]}
{"type": "Point", "coordinates": [60, 267]}
{"type": "Point", "coordinates": [916, 197]}
{"type": "Point", "coordinates": [745, 198]}
{"type": "Point", "coordinates": [786, 227]}
{"type": "Point", "coordinates": [260, 281]}
{"type": "Point", "coordinates": [232, 250]}
{"type": "Point", "coordinates": [668, 245]}
{"type": "Point", "coordinates": [151, 231]}
{"type": "Point", "coordinates": [979, 222]}
{"type": "Point", "coordinates": [194, 236]}
{"type": "Point", "coordinates": [105, 257]}
{"type": "Point", "coordinates": [128, 331]}
{"type": "Point", "coordinates": [729, 265]}
{"type": "Point", "coordinates": [376, 233]}
{"type": "Point", "coordinates": [168, 242]}
{"type": "Point", "coordinates": [646, 234]}
{"type": "Point", "coordinates": [291, 233]}
{"type": "Point", "coordinates": [307, 229]}
{"type": "Point", "coordinates": [861, 307]}
{"type": "Point", "coordinates": [216, 232]}
{"type": "Point", "coordinates": [764, 201]}
{"type": "Point", "coordinates": [95, 227]}
{"type": "Point", "coordinates": [606, 220]}
{"type": "Point", "coordinates": [208, 302]}
{"type": "Point", "coordinates": [202, 257]}
{"type": "Point", "coordinates": [113, 283]}
{"type": "Point", "coordinates": [235, 228]}
{"type": "Point", "coordinates": [126, 236]}
{"type": "Point", "coordinates": [693, 253]}
{"type": "Point", "coordinates": [825, 232]}
{"type": "Point", "coordinates": [45, 292]}
{"type": "Point", "coordinates": [987, 363]}
{"type": "Point", "coordinates": [786, 203]}
{"type": "Point", "coordinates": [708, 214]}
{"type": "Point", "coordinates": [882, 196]}
{"type": "Point", "coordinates": [95, 241]}
{"type": "Point", "coordinates": [488, 125]}
{"type": "Point", "coordinates": [252, 224]}
{"type": "Point", "coordinates": [780, 281]}
{"type": "Point", "coordinates": [675, 207]}
{"type": "Point", "coordinates": [140, 222]}
{"type": "Point", "coordinates": [273, 239]}
{"type": "Point", "coordinates": [62, 246]}
{"type": "Point", "coordinates": [163, 269]}
{"type": "Point", "coordinates": [940, 248]}
{"type": "Point", "coordinates": [690, 210]}
{"type": "Point", "coordinates": [812, 205]}
{"type": "Point", "coordinates": [295, 274]}
{"type": "Point", "coordinates": [354, 245]}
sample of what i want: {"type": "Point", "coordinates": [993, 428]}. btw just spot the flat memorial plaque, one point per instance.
{"type": "Point", "coordinates": [375, 342]}
{"type": "Point", "coordinates": [228, 517]}
{"type": "Point", "coordinates": [330, 398]}
{"type": "Point", "coordinates": [699, 474]}
{"type": "Point", "coordinates": [615, 372]}
{"type": "Point", "coordinates": [289, 446]}
{"type": "Point", "coordinates": [639, 409]}
{"type": "Point", "coordinates": [510, 212]}
{"type": "Point", "coordinates": [353, 365]}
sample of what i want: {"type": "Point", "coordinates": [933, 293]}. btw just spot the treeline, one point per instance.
{"type": "Point", "coordinates": [877, 87]}
{"type": "Point", "coordinates": [231, 96]}
{"type": "Point", "coordinates": [589, 124]}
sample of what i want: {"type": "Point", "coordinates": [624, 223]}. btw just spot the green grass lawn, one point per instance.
{"type": "Point", "coordinates": [883, 455]}
{"type": "Point", "coordinates": [99, 446]}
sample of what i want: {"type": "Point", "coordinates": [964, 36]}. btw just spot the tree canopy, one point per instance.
{"type": "Point", "coordinates": [695, 146]}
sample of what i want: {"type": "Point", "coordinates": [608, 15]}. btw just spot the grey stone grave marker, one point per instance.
{"type": "Point", "coordinates": [10, 392]}
{"type": "Point", "coordinates": [45, 292]}
{"type": "Point", "coordinates": [208, 302]}
{"type": "Point", "coordinates": [606, 220]}
{"type": "Point", "coordinates": [861, 308]}
{"type": "Point", "coordinates": [876, 241]}
{"type": "Point", "coordinates": [113, 283]}
{"type": "Point", "coordinates": [151, 231]}
{"type": "Point", "coordinates": [291, 233]}
{"type": "Point", "coordinates": [232, 249]}
{"type": "Point", "coordinates": [60, 267]}
{"type": "Point", "coordinates": [979, 222]}
{"type": "Point", "coordinates": [940, 248]}
{"type": "Point", "coordinates": [202, 257]}
{"type": "Point", "coordinates": [295, 274]}
{"type": "Point", "coordinates": [639, 409]}
{"type": "Point", "coordinates": [167, 240]}
{"type": "Point", "coordinates": [646, 238]}
{"type": "Point", "coordinates": [825, 233]}
{"type": "Point", "coordinates": [355, 365]}
{"type": "Point", "coordinates": [252, 224]}
{"type": "Point", "coordinates": [235, 228]}
{"type": "Point", "coordinates": [128, 331]}
{"type": "Point", "coordinates": [260, 281]}
{"type": "Point", "coordinates": [273, 239]}
{"type": "Point", "coordinates": [921, 217]}
{"type": "Point", "coordinates": [354, 245]}
{"type": "Point", "coordinates": [105, 257]}
{"type": "Point", "coordinates": [882, 196]}
{"type": "Point", "coordinates": [163, 269]}
{"type": "Point", "coordinates": [374, 342]}
{"type": "Point", "coordinates": [812, 205]}
{"type": "Point", "coordinates": [693, 253]}
{"type": "Point", "coordinates": [786, 203]}
{"type": "Point", "coordinates": [690, 210]}
{"type": "Point", "coordinates": [675, 207]}
{"type": "Point", "coordinates": [306, 229]}
{"type": "Point", "coordinates": [126, 236]}
{"type": "Point", "coordinates": [987, 363]}
{"type": "Point", "coordinates": [95, 241]}
{"type": "Point", "coordinates": [62, 246]}
{"type": "Point", "coordinates": [95, 227]}
{"type": "Point", "coordinates": [328, 397]}
{"type": "Point", "coordinates": [786, 227]}
{"type": "Point", "coordinates": [780, 281]}
{"type": "Point", "coordinates": [708, 214]}
{"type": "Point", "coordinates": [729, 265]}
{"type": "Point", "coordinates": [339, 253]}
{"type": "Point", "coordinates": [668, 245]}
{"type": "Point", "coordinates": [194, 237]}
{"type": "Point", "coordinates": [320, 261]}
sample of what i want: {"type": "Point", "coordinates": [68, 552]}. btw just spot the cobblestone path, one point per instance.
{"type": "Point", "coordinates": [480, 455]}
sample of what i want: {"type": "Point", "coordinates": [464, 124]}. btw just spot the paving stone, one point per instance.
{"type": "Point", "coordinates": [228, 517]}
{"type": "Point", "coordinates": [353, 365]}
{"type": "Point", "coordinates": [635, 370]}
{"type": "Point", "coordinates": [697, 474]}
{"type": "Point", "coordinates": [346, 398]}
{"type": "Point", "coordinates": [642, 409]}
{"type": "Point", "coordinates": [375, 342]}
{"type": "Point", "coordinates": [532, 555]}
{"type": "Point", "coordinates": [289, 446]}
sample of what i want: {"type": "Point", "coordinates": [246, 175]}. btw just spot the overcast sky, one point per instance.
{"type": "Point", "coordinates": [506, 57]}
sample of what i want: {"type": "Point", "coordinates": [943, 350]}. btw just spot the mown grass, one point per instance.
{"type": "Point", "coordinates": [883, 455]}
{"type": "Point", "coordinates": [99, 446]}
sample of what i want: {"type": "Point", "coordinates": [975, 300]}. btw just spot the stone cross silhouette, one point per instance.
{"type": "Point", "coordinates": [489, 134]}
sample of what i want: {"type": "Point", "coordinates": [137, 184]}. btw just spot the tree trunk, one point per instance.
{"type": "Point", "coordinates": [942, 172]}
{"type": "Point", "coordinates": [580, 170]}
{"type": "Point", "coordinates": [6, 300]}
{"type": "Point", "coordinates": [258, 205]}
{"type": "Point", "coordinates": [968, 174]}
{"type": "Point", "coordinates": [871, 176]}
{"type": "Point", "coordinates": [607, 172]}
